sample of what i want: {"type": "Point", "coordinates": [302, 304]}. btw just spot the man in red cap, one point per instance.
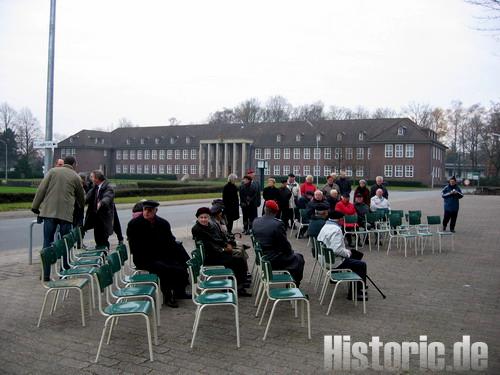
{"type": "Point", "coordinates": [270, 232]}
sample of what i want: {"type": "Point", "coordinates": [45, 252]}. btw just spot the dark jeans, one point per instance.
{"type": "Point", "coordinates": [450, 215]}
{"type": "Point", "coordinates": [357, 266]}
{"type": "Point", "coordinates": [173, 276]}
{"type": "Point", "coordinates": [100, 236]}
{"type": "Point", "coordinates": [50, 226]}
{"type": "Point", "coordinates": [229, 225]}
{"type": "Point", "coordinates": [249, 214]}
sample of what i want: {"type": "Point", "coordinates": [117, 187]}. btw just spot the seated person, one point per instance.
{"type": "Point", "coordinates": [347, 208]}
{"type": "Point", "coordinates": [304, 200]}
{"type": "Point", "coordinates": [331, 236]}
{"type": "Point", "coordinates": [378, 201]}
{"type": "Point", "coordinates": [154, 249]}
{"type": "Point", "coordinates": [362, 210]}
{"type": "Point", "coordinates": [316, 223]}
{"type": "Point", "coordinates": [318, 201]}
{"type": "Point", "coordinates": [218, 251]}
{"type": "Point", "coordinates": [270, 232]}
{"type": "Point", "coordinates": [217, 218]}
{"type": "Point", "coordinates": [333, 199]}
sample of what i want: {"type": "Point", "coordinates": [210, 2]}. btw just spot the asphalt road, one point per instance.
{"type": "Point", "coordinates": [14, 232]}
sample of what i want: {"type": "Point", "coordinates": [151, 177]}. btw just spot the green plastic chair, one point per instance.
{"type": "Point", "coordinates": [402, 232]}
{"type": "Point", "coordinates": [283, 294]}
{"type": "Point", "coordinates": [203, 298]}
{"type": "Point", "coordinates": [424, 233]}
{"type": "Point", "coordinates": [116, 310]}
{"type": "Point", "coordinates": [69, 244]}
{"type": "Point", "coordinates": [339, 276]}
{"type": "Point", "coordinates": [212, 271]}
{"type": "Point", "coordinates": [435, 221]}
{"type": "Point", "coordinates": [378, 227]}
{"type": "Point", "coordinates": [49, 256]}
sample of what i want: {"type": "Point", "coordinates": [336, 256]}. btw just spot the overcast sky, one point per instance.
{"type": "Point", "coordinates": [150, 60]}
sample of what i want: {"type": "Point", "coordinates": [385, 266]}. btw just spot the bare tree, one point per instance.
{"type": "Point", "coordinates": [249, 111]}
{"type": "Point", "coordinates": [173, 121]}
{"type": "Point", "coordinates": [125, 123]}
{"type": "Point", "coordinates": [439, 122]}
{"type": "Point", "coordinates": [28, 130]}
{"type": "Point", "coordinates": [7, 116]}
{"type": "Point", "coordinates": [384, 113]}
{"type": "Point", "coordinates": [491, 19]}
{"type": "Point", "coordinates": [491, 139]}
{"type": "Point", "coordinates": [312, 112]}
{"type": "Point", "coordinates": [277, 109]}
{"type": "Point", "coordinates": [472, 132]}
{"type": "Point", "coordinates": [419, 113]}
{"type": "Point", "coordinates": [339, 113]}
{"type": "Point", "coordinates": [226, 116]}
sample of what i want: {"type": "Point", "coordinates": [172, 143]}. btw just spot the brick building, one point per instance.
{"type": "Point", "coordinates": [395, 148]}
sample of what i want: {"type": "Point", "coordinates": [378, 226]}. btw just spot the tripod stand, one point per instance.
{"type": "Point", "coordinates": [376, 287]}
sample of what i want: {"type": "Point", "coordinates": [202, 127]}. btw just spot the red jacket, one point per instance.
{"type": "Point", "coordinates": [346, 209]}
{"type": "Point", "coordinates": [307, 186]}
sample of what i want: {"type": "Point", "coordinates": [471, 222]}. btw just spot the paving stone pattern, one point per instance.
{"type": "Point", "coordinates": [443, 296]}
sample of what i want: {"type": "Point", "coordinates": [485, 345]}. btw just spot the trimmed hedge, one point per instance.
{"type": "Point", "coordinates": [158, 177]}
{"type": "Point", "coordinates": [489, 181]}
{"type": "Point", "coordinates": [16, 197]}
{"type": "Point", "coordinates": [162, 184]}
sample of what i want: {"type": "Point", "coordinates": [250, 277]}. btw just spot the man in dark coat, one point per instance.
{"type": "Point", "coordinates": [231, 201]}
{"type": "Point", "coordinates": [344, 184]}
{"type": "Point", "coordinates": [154, 249]}
{"type": "Point", "coordinates": [248, 199]}
{"type": "Point", "coordinates": [285, 194]}
{"type": "Point", "coordinates": [271, 192]}
{"type": "Point", "coordinates": [270, 232]}
{"type": "Point", "coordinates": [451, 194]}
{"type": "Point", "coordinates": [379, 184]}
{"type": "Point", "coordinates": [101, 209]}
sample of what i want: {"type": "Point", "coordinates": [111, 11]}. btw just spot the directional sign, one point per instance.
{"type": "Point", "coordinates": [45, 144]}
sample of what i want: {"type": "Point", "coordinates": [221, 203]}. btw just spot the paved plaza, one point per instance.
{"type": "Point", "coordinates": [443, 296]}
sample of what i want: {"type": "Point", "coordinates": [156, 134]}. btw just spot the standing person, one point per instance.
{"type": "Point", "coordinates": [55, 202]}
{"type": "Point", "coordinates": [308, 186]}
{"type": "Point", "coordinates": [231, 201]}
{"type": "Point", "coordinates": [59, 163]}
{"type": "Point", "coordinates": [379, 184]}
{"type": "Point", "coordinates": [344, 184]}
{"type": "Point", "coordinates": [257, 187]}
{"type": "Point", "coordinates": [295, 189]}
{"type": "Point", "coordinates": [247, 203]}
{"type": "Point", "coordinates": [451, 194]}
{"type": "Point", "coordinates": [101, 209]}
{"type": "Point", "coordinates": [330, 184]}
{"type": "Point", "coordinates": [154, 249]}
{"type": "Point", "coordinates": [271, 192]}
{"type": "Point", "coordinates": [362, 189]}
{"type": "Point", "coordinates": [285, 196]}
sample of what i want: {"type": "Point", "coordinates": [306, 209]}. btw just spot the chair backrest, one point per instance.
{"type": "Point", "coordinates": [267, 270]}
{"type": "Point", "coordinates": [395, 220]}
{"type": "Point", "coordinates": [201, 248]}
{"type": "Point", "coordinates": [70, 240]}
{"type": "Point", "coordinates": [59, 248]}
{"type": "Point", "coordinates": [350, 219]}
{"type": "Point", "coordinates": [397, 212]}
{"type": "Point", "coordinates": [383, 213]}
{"type": "Point", "coordinates": [414, 217]}
{"type": "Point", "coordinates": [122, 252]}
{"type": "Point", "coordinates": [114, 262]}
{"type": "Point", "coordinates": [434, 220]}
{"type": "Point", "coordinates": [304, 217]}
{"type": "Point", "coordinates": [329, 257]}
{"type": "Point", "coordinates": [372, 217]}
{"type": "Point", "coordinates": [104, 276]}
{"type": "Point", "coordinates": [315, 247]}
{"type": "Point", "coordinates": [258, 254]}
{"type": "Point", "coordinates": [48, 256]}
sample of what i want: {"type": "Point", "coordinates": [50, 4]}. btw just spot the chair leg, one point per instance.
{"type": "Point", "coordinates": [333, 296]}
{"type": "Point", "coordinates": [195, 318]}
{"type": "Point", "coordinates": [302, 313]}
{"type": "Point", "coordinates": [324, 289]}
{"type": "Point", "coordinates": [158, 305]}
{"type": "Point", "coordinates": [196, 322]}
{"type": "Point", "coordinates": [43, 306]}
{"type": "Point", "coordinates": [270, 318]}
{"type": "Point", "coordinates": [82, 308]}
{"type": "Point", "coordinates": [102, 338]}
{"type": "Point", "coordinates": [308, 319]}
{"type": "Point", "coordinates": [364, 297]}
{"type": "Point", "coordinates": [155, 330]}
{"type": "Point", "coordinates": [389, 246]}
{"type": "Point", "coordinates": [259, 291]}
{"type": "Point", "coordinates": [54, 302]}
{"type": "Point", "coordinates": [260, 303]}
{"type": "Point", "coordinates": [314, 268]}
{"type": "Point", "coordinates": [237, 322]}
{"type": "Point", "coordinates": [264, 311]}
{"type": "Point", "coordinates": [150, 345]}
{"type": "Point", "coordinates": [90, 299]}
{"type": "Point", "coordinates": [110, 330]}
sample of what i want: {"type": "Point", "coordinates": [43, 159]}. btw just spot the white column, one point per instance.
{"type": "Point", "coordinates": [217, 160]}
{"type": "Point", "coordinates": [200, 154]}
{"type": "Point", "coordinates": [243, 158]}
{"type": "Point", "coordinates": [226, 149]}
{"type": "Point", "coordinates": [235, 150]}
{"type": "Point", "coordinates": [208, 160]}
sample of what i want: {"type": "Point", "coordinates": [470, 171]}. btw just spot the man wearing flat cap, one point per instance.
{"type": "Point", "coordinates": [270, 232]}
{"type": "Point", "coordinates": [154, 249]}
{"type": "Point", "coordinates": [331, 236]}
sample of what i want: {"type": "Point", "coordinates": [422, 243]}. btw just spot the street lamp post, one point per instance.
{"type": "Point", "coordinates": [314, 153]}
{"type": "Point", "coordinates": [6, 164]}
{"type": "Point", "coordinates": [49, 153]}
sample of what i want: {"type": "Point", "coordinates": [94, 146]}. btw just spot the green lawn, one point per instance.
{"type": "Point", "coordinates": [17, 189]}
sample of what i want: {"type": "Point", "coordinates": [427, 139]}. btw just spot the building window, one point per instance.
{"type": "Point", "coordinates": [318, 137]}
{"type": "Point", "coordinates": [96, 140]}
{"type": "Point", "coordinates": [286, 170]}
{"type": "Point", "coordinates": [139, 154]}
{"type": "Point", "coordinates": [132, 168]}
{"type": "Point", "coordinates": [70, 139]}
{"type": "Point", "coordinates": [360, 153]}
{"type": "Point", "coordinates": [184, 169]}
{"type": "Point", "coordinates": [105, 153]}
{"type": "Point", "coordinates": [118, 168]}
{"type": "Point", "coordinates": [398, 171]}
{"type": "Point", "coordinates": [118, 154]}
{"type": "Point", "coordinates": [360, 171]}
{"type": "Point", "coordinates": [177, 169]}
{"type": "Point", "coordinates": [338, 153]}
{"type": "Point", "coordinates": [296, 170]}
{"type": "Point", "coordinates": [161, 169]}
{"type": "Point", "coordinates": [132, 154]}
{"type": "Point", "coordinates": [127, 141]}
{"type": "Point", "coordinates": [142, 141]}
{"type": "Point", "coordinates": [267, 153]}
{"type": "Point", "coordinates": [307, 170]}
{"type": "Point", "coordinates": [266, 171]}
{"type": "Point", "coordinates": [339, 137]}
{"type": "Point", "coordinates": [410, 151]}
{"type": "Point", "coordinates": [172, 140]}
{"type": "Point", "coordinates": [169, 154]}
{"type": "Point", "coordinates": [327, 170]}
{"type": "Point", "coordinates": [278, 138]}
{"type": "Point", "coordinates": [139, 169]}
{"type": "Point", "coordinates": [389, 151]}
{"type": "Point", "coordinates": [286, 153]}
{"type": "Point", "coordinates": [125, 168]}
{"type": "Point", "coordinates": [177, 154]}
{"type": "Point", "coordinates": [369, 153]}
{"type": "Point", "coordinates": [258, 153]}
{"type": "Point", "coordinates": [154, 154]}
{"type": "Point", "coordinates": [193, 169]}
{"type": "Point", "coordinates": [298, 138]}
{"type": "Point", "coordinates": [307, 153]}
{"type": "Point", "coordinates": [194, 154]}
{"type": "Point", "coordinates": [317, 153]}
{"type": "Point", "coordinates": [361, 136]}
{"type": "Point", "coordinates": [169, 169]}
{"type": "Point", "coordinates": [296, 153]}
{"type": "Point", "coordinates": [147, 154]}
{"type": "Point", "coordinates": [185, 154]}
{"type": "Point", "coordinates": [348, 171]}
{"type": "Point", "coordinates": [398, 150]}
{"type": "Point", "coordinates": [409, 171]}
{"type": "Point", "coordinates": [348, 153]}
{"type": "Point", "coordinates": [188, 140]}
{"type": "Point", "coordinates": [125, 155]}
{"type": "Point", "coordinates": [327, 153]}
{"type": "Point", "coordinates": [146, 169]}
{"type": "Point", "coordinates": [387, 170]}
{"type": "Point", "coordinates": [277, 153]}
{"type": "Point", "coordinates": [401, 130]}
{"type": "Point", "coordinates": [316, 170]}
{"type": "Point", "coordinates": [162, 154]}
{"type": "Point", "coordinates": [154, 169]}
{"type": "Point", "coordinates": [276, 170]}
{"type": "Point", "coordinates": [157, 141]}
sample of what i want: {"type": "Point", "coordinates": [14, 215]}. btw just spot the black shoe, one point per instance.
{"type": "Point", "coordinates": [246, 284]}
{"type": "Point", "coordinates": [172, 302]}
{"type": "Point", "coordinates": [452, 230]}
{"type": "Point", "coordinates": [243, 293]}
{"type": "Point", "coordinates": [183, 295]}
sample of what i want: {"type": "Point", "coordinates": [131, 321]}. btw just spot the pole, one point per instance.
{"type": "Point", "coordinates": [50, 86]}
{"type": "Point", "coordinates": [317, 160]}
{"type": "Point", "coordinates": [6, 164]}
